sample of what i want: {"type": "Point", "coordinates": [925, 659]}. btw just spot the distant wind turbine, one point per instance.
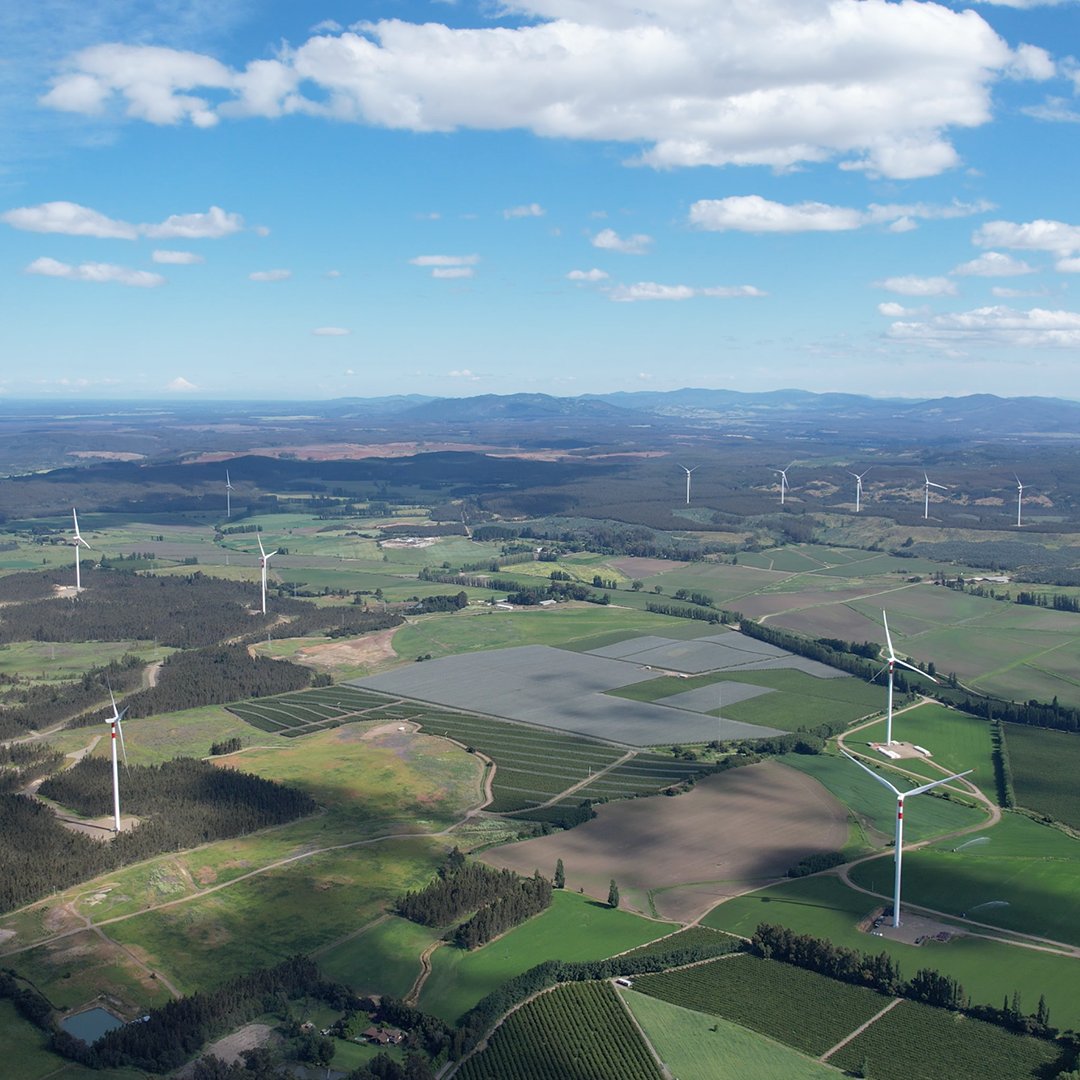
{"type": "Point", "coordinates": [264, 565]}
{"type": "Point", "coordinates": [116, 733]}
{"type": "Point", "coordinates": [893, 661]}
{"type": "Point", "coordinates": [900, 797]}
{"type": "Point", "coordinates": [782, 473]}
{"type": "Point", "coordinates": [926, 494]}
{"type": "Point", "coordinates": [76, 540]}
{"type": "Point", "coordinates": [1019, 500]}
{"type": "Point", "coordinates": [688, 472]}
{"type": "Point", "coordinates": [228, 495]}
{"type": "Point", "coordinates": [858, 488]}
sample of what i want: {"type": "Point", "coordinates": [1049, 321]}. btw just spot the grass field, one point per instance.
{"type": "Point", "coordinates": [988, 970]}
{"type": "Point", "coordinates": [1045, 765]}
{"type": "Point", "coordinates": [696, 1046]}
{"type": "Point", "coordinates": [64, 661]}
{"type": "Point", "coordinates": [384, 959]}
{"type": "Point", "coordinates": [580, 1030]}
{"type": "Point", "coordinates": [573, 928]}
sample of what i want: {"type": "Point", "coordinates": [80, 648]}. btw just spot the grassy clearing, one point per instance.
{"type": "Point", "coordinates": [988, 970]}
{"type": "Point", "coordinates": [695, 1046]}
{"type": "Point", "coordinates": [917, 1042]}
{"type": "Point", "coordinates": [384, 959]}
{"type": "Point", "coordinates": [573, 928]}
{"type": "Point", "coordinates": [64, 661]}
{"type": "Point", "coordinates": [1045, 765]}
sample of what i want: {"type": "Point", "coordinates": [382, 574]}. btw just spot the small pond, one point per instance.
{"type": "Point", "coordinates": [90, 1024]}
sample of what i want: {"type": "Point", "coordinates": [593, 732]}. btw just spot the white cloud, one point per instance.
{"type": "Point", "coordinates": [993, 264]}
{"type": "Point", "coordinates": [998, 326]}
{"type": "Point", "coordinates": [587, 275]}
{"type": "Point", "coordinates": [212, 225]}
{"type": "Point", "coordinates": [453, 272]}
{"type": "Point", "coordinates": [610, 240]}
{"type": "Point", "coordinates": [180, 385]}
{"type": "Point", "coordinates": [877, 86]}
{"type": "Point", "coordinates": [332, 274]}
{"type": "Point", "coordinates": [71, 219]}
{"type": "Point", "coordinates": [430, 215]}
{"type": "Point", "coordinates": [1055, 110]}
{"type": "Point", "coordinates": [1068, 266]}
{"type": "Point", "coordinates": [463, 373]}
{"type": "Point", "coordinates": [911, 285]}
{"type": "Point", "coordinates": [1003, 292]}
{"type": "Point", "coordinates": [1038, 235]}
{"type": "Point", "coordinates": [894, 310]}
{"type": "Point", "coordinates": [1031, 62]}
{"type": "Point", "coordinates": [270, 275]}
{"type": "Point", "coordinates": [328, 26]}
{"type": "Point", "coordinates": [754, 214]}
{"type": "Point", "coordinates": [651, 290]}
{"type": "Point", "coordinates": [531, 210]}
{"type": "Point", "coordinates": [331, 331]}
{"type": "Point", "coordinates": [177, 258]}
{"type": "Point", "coordinates": [96, 272]}
{"type": "Point", "coordinates": [445, 260]}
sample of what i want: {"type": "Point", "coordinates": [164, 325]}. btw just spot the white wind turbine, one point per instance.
{"type": "Point", "coordinates": [893, 661]}
{"type": "Point", "coordinates": [688, 472]}
{"type": "Point", "coordinates": [858, 488]}
{"type": "Point", "coordinates": [264, 564]}
{"type": "Point", "coordinates": [116, 733]}
{"type": "Point", "coordinates": [782, 473]}
{"type": "Point", "coordinates": [228, 495]}
{"type": "Point", "coordinates": [76, 540]}
{"type": "Point", "coordinates": [900, 797]}
{"type": "Point", "coordinates": [1019, 500]}
{"type": "Point", "coordinates": [926, 494]}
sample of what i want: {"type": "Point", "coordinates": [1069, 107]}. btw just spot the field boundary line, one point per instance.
{"type": "Point", "coordinates": [665, 1072]}
{"type": "Point", "coordinates": [859, 1030]}
{"type": "Point", "coordinates": [628, 756]}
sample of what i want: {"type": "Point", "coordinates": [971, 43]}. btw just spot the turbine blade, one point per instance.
{"type": "Point", "coordinates": [937, 783]}
{"type": "Point", "coordinates": [877, 776]}
{"type": "Point", "coordinates": [262, 550]}
{"type": "Point", "coordinates": [120, 735]}
{"type": "Point", "coordinates": [888, 636]}
{"type": "Point", "coordinates": [912, 667]}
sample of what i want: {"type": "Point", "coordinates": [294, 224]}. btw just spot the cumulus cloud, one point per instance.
{"type": "Point", "coordinates": [71, 219]}
{"type": "Point", "coordinates": [531, 210]}
{"type": "Point", "coordinates": [894, 310]}
{"type": "Point", "coordinates": [993, 264]}
{"type": "Point", "coordinates": [754, 214]}
{"type": "Point", "coordinates": [463, 373]}
{"type": "Point", "coordinates": [177, 258]}
{"type": "Point", "coordinates": [270, 275]}
{"type": "Point", "coordinates": [997, 325]}
{"type": "Point", "coordinates": [587, 275]}
{"type": "Point", "coordinates": [1055, 110]}
{"type": "Point", "coordinates": [1068, 266]}
{"type": "Point", "coordinates": [1038, 235]}
{"type": "Point", "coordinates": [911, 285]}
{"type": "Point", "coordinates": [180, 385]}
{"type": "Point", "coordinates": [331, 331]}
{"type": "Point", "coordinates": [96, 272]}
{"type": "Point", "coordinates": [652, 290]}
{"type": "Point", "coordinates": [610, 240]}
{"type": "Point", "coordinates": [877, 86]}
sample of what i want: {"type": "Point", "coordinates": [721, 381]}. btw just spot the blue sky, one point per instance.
{"type": "Point", "coordinates": [204, 198]}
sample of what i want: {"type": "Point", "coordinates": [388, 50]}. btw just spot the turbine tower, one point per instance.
{"type": "Point", "coordinates": [1019, 500]}
{"type": "Point", "coordinates": [893, 661]}
{"type": "Point", "coordinates": [926, 495]}
{"type": "Point", "coordinates": [782, 473]}
{"type": "Point", "coordinates": [688, 472]}
{"type": "Point", "coordinates": [858, 488]}
{"type": "Point", "coordinates": [900, 797]}
{"type": "Point", "coordinates": [116, 733]}
{"type": "Point", "coordinates": [264, 564]}
{"type": "Point", "coordinates": [76, 540]}
{"type": "Point", "coordinates": [228, 495]}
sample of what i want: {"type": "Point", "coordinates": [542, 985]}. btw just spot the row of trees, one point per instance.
{"type": "Point", "coordinates": [527, 898]}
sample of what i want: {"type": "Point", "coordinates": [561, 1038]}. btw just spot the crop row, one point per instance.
{"type": "Point", "coordinates": [578, 1030]}
{"type": "Point", "coordinates": [770, 997]}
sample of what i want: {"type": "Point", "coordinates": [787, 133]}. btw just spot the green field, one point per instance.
{"type": "Point", "coordinates": [65, 661]}
{"type": "Point", "coordinates": [695, 1046]}
{"type": "Point", "coordinates": [988, 970]}
{"type": "Point", "coordinates": [383, 959]}
{"type": "Point", "coordinates": [573, 928]}
{"type": "Point", "coordinates": [580, 1030]}
{"type": "Point", "coordinates": [1045, 765]}
{"type": "Point", "coordinates": [769, 997]}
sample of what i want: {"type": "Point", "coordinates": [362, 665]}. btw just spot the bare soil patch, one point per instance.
{"type": "Point", "coordinates": [731, 832]}
{"type": "Point", "coordinates": [371, 649]}
{"type": "Point", "coordinates": [634, 567]}
{"type": "Point", "coordinates": [232, 1046]}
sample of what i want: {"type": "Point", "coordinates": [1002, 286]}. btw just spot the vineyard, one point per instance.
{"type": "Point", "coordinates": [580, 1031]}
{"type": "Point", "coordinates": [1044, 766]}
{"type": "Point", "coordinates": [917, 1042]}
{"type": "Point", "coordinates": [771, 998]}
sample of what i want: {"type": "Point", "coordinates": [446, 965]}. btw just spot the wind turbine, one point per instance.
{"type": "Point", "coordinates": [228, 495]}
{"type": "Point", "coordinates": [900, 797]}
{"type": "Point", "coordinates": [688, 472]}
{"type": "Point", "coordinates": [264, 563]}
{"type": "Point", "coordinates": [926, 495]}
{"type": "Point", "coordinates": [1019, 500]}
{"type": "Point", "coordinates": [893, 661]}
{"type": "Point", "coordinates": [115, 733]}
{"type": "Point", "coordinates": [782, 473]}
{"type": "Point", "coordinates": [76, 540]}
{"type": "Point", "coordinates": [858, 488]}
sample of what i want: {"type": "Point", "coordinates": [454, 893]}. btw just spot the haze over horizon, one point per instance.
{"type": "Point", "coordinates": [273, 201]}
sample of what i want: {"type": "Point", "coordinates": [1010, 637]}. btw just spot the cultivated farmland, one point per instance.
{"type": "Point", "coordinates": [1045, 765]}
{"type": "Point", "coordinates": [310, 710]}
